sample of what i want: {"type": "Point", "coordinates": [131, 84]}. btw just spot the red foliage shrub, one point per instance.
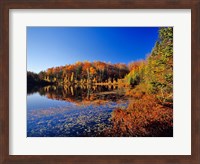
{"type": "Point", "coordinates": [143, 117]}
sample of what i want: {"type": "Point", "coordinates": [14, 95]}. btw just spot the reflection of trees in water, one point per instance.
{"type": "Point", "coordinates": [79, 93]}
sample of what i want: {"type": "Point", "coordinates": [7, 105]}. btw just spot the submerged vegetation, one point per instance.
{"type": "Point", "coordinates": [148, 83]}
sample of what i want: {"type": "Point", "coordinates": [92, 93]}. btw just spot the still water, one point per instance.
{"type": "Point", "coordinates": [61, 111]}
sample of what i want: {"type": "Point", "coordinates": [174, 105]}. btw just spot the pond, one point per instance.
{"type": "Point", "coordinates": [75, 111]}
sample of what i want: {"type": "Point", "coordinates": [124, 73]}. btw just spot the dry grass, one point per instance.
{"type": "Point", "coordinates": [143, 117]}
{"type": "Point", "coordinates": [138, 92]}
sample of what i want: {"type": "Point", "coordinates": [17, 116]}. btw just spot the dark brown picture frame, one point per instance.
{"type": "Point", "coordinates": [5, 5]}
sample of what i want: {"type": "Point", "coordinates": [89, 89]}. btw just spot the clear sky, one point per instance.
{"type": "Point", "coordinates": [57, 46]}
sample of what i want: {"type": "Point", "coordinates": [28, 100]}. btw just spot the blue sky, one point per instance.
{"type": "Point", "coordinates": [55, 46]}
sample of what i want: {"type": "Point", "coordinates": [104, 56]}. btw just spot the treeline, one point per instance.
{"type": "Point", "coordinates": [33, 80]}
{"type": "Point", "coordinates": [85, 72]}
{"type": "Point", "coordinates": [155, 74]}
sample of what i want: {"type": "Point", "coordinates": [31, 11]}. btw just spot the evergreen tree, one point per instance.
{"type": "Point", "coordinates": [159, 70]}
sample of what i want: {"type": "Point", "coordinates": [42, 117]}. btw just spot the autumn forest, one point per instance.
{"type": "Point", "coordinates": [105, 99]}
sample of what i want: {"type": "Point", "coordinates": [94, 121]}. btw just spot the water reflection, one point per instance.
{"type": "Point", "coordinates": [81, 94]}
{"type": "Point", "coordinates": [72, 111]}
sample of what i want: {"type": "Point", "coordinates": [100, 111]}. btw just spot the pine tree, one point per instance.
{"type": "Point", "coordinates": [159, 70]}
